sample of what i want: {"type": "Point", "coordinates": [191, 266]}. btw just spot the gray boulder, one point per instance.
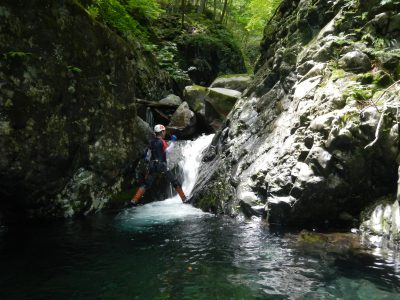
{"type": "Point", "coordinates": [238, 82]}
{"type": "Point", "coordinates": [219, 103]}
{"type": "Point", "coordinates": [171, 99]}
{"type": "Point", "coordinates": [355, 61]}
{"type": "Point", "coordinates": [183, 122]}
{"type": "Point", "coordinates": [195, 96]}
{"type": "Point", "coordinates": [222, 100]}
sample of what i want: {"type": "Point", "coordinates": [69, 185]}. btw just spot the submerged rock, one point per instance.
{"type": "Point", "coordinates": [338, 243]}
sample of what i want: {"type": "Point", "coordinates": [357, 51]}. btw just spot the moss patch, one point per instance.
{"type": "Point", "coordinates": [120, 199]}
{"type": "Point", "coordinates": [337, 74]}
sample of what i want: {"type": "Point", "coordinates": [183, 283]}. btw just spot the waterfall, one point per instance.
{"type": "Point", "coordinates": [192, 154]}
{"type": "Point", "coordinates": [172, 208]}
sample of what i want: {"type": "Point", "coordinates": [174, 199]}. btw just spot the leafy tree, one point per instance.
{"type": "Point", "coordinates": [259, 11]}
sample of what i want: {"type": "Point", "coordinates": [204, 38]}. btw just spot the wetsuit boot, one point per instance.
{"type": "Point", "coordinates": [181, 194]}
{"type": "Point", "coordinates": [139, 193]}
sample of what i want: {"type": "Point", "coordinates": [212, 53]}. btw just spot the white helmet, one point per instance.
{"type": "Point", "coordinates": [159, 128]}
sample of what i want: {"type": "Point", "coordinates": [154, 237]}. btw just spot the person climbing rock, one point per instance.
{"type": "Point", "coordinates": [158, 164]}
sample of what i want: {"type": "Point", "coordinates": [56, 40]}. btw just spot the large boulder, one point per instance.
{"type": "Point", "coordinates": [238, 82]}
{"type": "Point", "coordinates": [183, 122]}
{"type": "Point", "coordinates": [195, 96]}
{"type": "Point", "coordinates": [222, 100]}
{"type": "Point", "coordinates": [356, 61]}
{"type": "Point", "coordinates": [171, 99]}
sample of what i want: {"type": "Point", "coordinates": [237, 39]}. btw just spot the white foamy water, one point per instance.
{"type": "Point", "coordinates": [171, 209]}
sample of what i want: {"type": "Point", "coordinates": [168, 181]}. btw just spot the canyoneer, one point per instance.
{"type": "Point", "coordinates": [158, 149]}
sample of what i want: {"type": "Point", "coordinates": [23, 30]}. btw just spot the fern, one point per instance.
{"type": "Point", "coordinates": [115, 15]}
{"type": "Point", "coordinates": [150, 9]}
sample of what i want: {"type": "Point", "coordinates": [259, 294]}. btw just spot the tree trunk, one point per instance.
{"type": "Point", "coordinates": [228, 12]}
{"type": "Point", "coordinates": [224, 11]}
{"type": "Point", "coordinates": [201, 6]}
{"type": "Point", "coordinates": [183, 13]}
{"type": "Point", "coordinates": [215, 10]}
{"type": "Point", "coordinates": [176, 6]}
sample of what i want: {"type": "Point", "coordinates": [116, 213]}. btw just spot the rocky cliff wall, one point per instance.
{"type": "Point", "coordinates": [68, 123]}
{"type": "Point", "coordinates": [294, 147]}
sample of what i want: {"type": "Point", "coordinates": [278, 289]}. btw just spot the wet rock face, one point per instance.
{"type": "Point", "coordinates": [296, 141]}
{"type": "Point", "coordinates": [67, 120]}
{"type": "Point", "coordinates": [381, 224]}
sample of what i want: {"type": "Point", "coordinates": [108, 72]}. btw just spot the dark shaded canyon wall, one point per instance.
{"type": "Point", "coordinates": [68, 123]}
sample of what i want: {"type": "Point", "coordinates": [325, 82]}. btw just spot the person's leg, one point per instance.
{"type": "Point", "coordinates": [148, 182]}
{"type": "Point", "coordinates": [175, 183]}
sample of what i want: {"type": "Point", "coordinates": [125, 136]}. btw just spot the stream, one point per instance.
{"type": "Point", "coordinates": [171, 250]}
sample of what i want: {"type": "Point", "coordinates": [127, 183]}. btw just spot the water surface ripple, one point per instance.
{"type": "Point", "coordinates": [199, 256]}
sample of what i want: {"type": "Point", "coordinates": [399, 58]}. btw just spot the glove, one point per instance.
{"type": "Point", "coordinates": [173, 138]}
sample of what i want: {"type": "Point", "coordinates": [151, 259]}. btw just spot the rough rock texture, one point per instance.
{"type": "Point", "coordinates": [171, 99]}
{"type": "Point", "coordinates": [195, 96]}
{"type": "Point", "coordinates": [381, 221]}
{"type": "Point", "coordinates": [382, 227]}
{"type": "Point", "coordinates": [295, 143]}
{"type": "Point", "coordinates": [183, 122]}
{"type": "Point", "coordinates": [238, 82]}
{"type": "Point", "coordinates": [68, 123]}
{"type": "Point", "coordinates": [218, 104]}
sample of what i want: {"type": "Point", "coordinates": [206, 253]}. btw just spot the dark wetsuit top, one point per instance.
{"type": "Point", "coordinates": [158, 147]}
{"type": "Point", "coordinates": [158, 163]}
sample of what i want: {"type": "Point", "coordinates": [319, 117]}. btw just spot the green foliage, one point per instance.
{"type": "Point", "coordinates": [115, 15]}
{"type": "Point", "coordinates": [361, 93]}
{"type": "Point", "coordinates": [337, 74]}
{"type": "Point", "coordinates": [150, 9]}
{"type": "Point", "coordinates": [260, 11]}
{"type": "Point", "coordinates": [248, 21]}
{"type": "Point", "coordinates": [166, 57]}
{"type": "Point", "coordinates": [74, 69]}
{"type": "Point", "coordinates": [93, 11]}
{"type": "Point", "coordinates": [18, 54]}
{"type": "Point", "coordinates": [123, 15]}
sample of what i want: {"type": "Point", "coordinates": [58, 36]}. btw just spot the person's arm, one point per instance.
{"type": "Point", "coordinates": [172, 144]}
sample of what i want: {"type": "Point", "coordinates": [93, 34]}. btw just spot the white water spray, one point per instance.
{"type": "Point", "coordinates": [171, 209]}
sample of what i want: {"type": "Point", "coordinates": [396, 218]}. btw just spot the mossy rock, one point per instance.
{"type": "Point", "coordinates": [222, 100]}
{"type": "Point", "coordinates": [121, 199]}
{"type": "Point", "coordinates": [238, 82]}
{"type": "Point", "coordinates": [195, 95]}
{"type": "Point", "coordinates": [309, 237]}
